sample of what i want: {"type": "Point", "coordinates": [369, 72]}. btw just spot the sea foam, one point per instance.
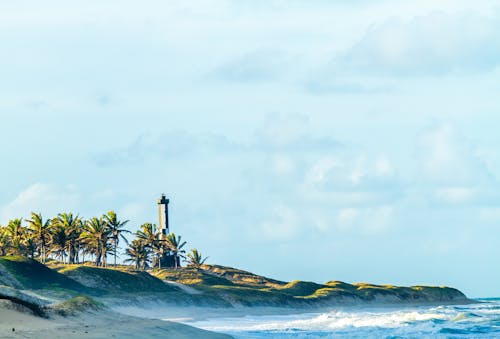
{"type": "Point", "coordinates": [476, 321]}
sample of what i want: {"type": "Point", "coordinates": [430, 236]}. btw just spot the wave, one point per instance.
{"type": "Point", "coordinates": [331, 320]}
{"type": "Point", "coordinates": [475, 320]}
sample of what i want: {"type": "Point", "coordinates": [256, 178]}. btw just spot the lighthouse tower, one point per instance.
{"type": "Point", "coordinates": [163, 214]}
{"type": "Point", "coordinates": [166, 259]}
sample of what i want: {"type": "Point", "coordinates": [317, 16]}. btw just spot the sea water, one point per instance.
{"type": "Point", "coordinates": [480, 320]}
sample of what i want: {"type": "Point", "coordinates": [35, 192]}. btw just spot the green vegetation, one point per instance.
{"type": "Point", "coordinates": [248, 296]}
{"type": "Point", "coordinates": [65, 241]}
{"type": "Point", "coordinates": [116, 229]}
{"type": "Point", "coordinates": [115, 281]}
{"type": "Point", "coordinates": [208, 285]}
{"type": "Point", "coordinates": [241, 277]}
{"type": "Point", "coordinates": [195, 258]}
{"type": "Point", "coordinates": [175, 245]}
{"type": "Point", "coordinates": [149, 241]}
{"type": "Point", "coordinates": [245, 288]}
{"type": "Point", "coordinates": [192, 276]}
{"type": "Point", "coordinates": [36, 276]}
{"type": "Point", "coordinates": [78, 304]}
{"type": "Point", "coordinates": [138, 254]}
{"type": "Point", "coordinates": [70, 239]}
{"type": "Point", "coordinates": [299, 288]}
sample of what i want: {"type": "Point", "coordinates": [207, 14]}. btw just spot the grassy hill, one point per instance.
{"type": "Point", "coordinates": [114, 280]}
{"type": "Point", "coordinates": [212, 285]}
{"type": "Point", "coordinates": [30, 274]}
{"type": "Point", "coordinates": [239, 287]}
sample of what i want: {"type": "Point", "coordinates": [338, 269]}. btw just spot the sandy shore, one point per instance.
{"type": "Point", "coordinates": [194, 314]}
{"type": "Point", "coordinates": [102, 324]}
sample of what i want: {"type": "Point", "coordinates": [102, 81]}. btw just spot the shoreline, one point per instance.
{"type": "Point", "coordinates": [96, 302]}
{"type": "Point", "coordinates": [170, 321]}
{"type": "Point", "coordinates": [196, 313]}
{"type": "Point", "coordinates": [16, 322]}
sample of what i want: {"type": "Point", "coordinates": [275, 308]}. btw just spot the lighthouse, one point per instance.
{"type": "Point", "coordinates": [165, 258]}
{"type": "Point", "coordinates": [163, 214]}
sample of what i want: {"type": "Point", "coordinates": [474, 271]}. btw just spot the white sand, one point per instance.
{"type": "Point", "coordinates": [103, 324]}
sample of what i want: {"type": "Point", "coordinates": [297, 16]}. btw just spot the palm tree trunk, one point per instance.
{"type": "Point", "coordinates": [70, 255]}
{"type": "Point", "coordinates": [115, 243]}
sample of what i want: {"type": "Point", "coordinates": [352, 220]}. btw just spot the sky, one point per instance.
{"type": "Point", "coordinates": [312, 140]}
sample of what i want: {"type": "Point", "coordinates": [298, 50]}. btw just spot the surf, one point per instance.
{"type": "Point", "coordinates": [477, 320]}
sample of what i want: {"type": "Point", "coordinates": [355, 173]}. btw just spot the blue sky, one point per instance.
{"type": "Point", "coordinates": [314, 140]}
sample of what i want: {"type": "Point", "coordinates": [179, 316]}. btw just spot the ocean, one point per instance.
{"type": "Point", "coordinates": [481, 320]}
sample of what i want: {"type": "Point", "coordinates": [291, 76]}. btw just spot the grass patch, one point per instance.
{"type": "Point", "coordinates": [34, 275]}
{"type": "Point", "coordinates": [191, 276]}
{"type": "Point", "coordinates": [78, 304]}
{"type": "Point", "coordinates": [329, 292]}
{"type": "Point", "coordinates": [299, 288]}
{"type": "Point", "coordinates": [242, 278]}
{"type": "Point", "coordinates": [115, 280]}
{"type": "Point", "coordinates": [341, 285]}
{"type": "Point", "coordinates": [248, 296]}
{"type": "Point", "coordinates": [221, 286]}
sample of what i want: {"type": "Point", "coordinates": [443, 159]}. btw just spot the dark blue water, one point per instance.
{"type": "Point", "coordinates": [480, 320]}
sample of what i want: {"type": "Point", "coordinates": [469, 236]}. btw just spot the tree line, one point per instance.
{"type": "Point", "coordinates": [70, 239]}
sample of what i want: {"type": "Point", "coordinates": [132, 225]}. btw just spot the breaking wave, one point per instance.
{"type": "Point", "coordinates": [480, 320]}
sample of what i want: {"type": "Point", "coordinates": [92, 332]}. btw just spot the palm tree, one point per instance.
{"type": "Point", "coordinates": [175, 246]}
{"type": "Point", "coordinates": [16, 233]}
{"type": "Point", "coordinates": [195, 258]}
{"type": "Point", "coordinates": [95, 236]}
{"type": "Point", "coordinates": [30, 246]}
{"type": "Point", "coordinates": [117, 230]}
{"type": "Point", "coordinates": [41, 233]}
{"type": "Point", "coordinates": [72, 225]}
{"type": "Point", "coordinates": [138, 254]}
{"type": "Point", "coordinates": [59, 241]}
{"type": "Point", "coordinates": [4, 241]}
{"type": "Point", "coordinates": [149, 235]}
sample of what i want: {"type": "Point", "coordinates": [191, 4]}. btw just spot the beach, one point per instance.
{"type": "Point", "coordinates": [16, 322]}
{"type": "Point", "coordinates": [65, 301]}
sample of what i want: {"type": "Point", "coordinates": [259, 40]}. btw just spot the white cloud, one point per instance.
{"type": "Point", "coordinates": [453, 171]}
{"type": "Point", "coordinates": [282, 164]}
{"type": "Point", "coordinates": [454, 195]}
{"type": "Point", "coordinates": [284, 225]}
{"type": "Point", "coordinates": [490, 213]}
{"type": "Point", "coordinates": [45, 198]}
{"type": "Point", "coordinates": [434, 44]}
{"type": "Point", "coordinates": [256, 66]}
{"type": "Point", "coordinates": [447, 159]}
{"type": "Point", "coordinates": [444, 154]}
{"type": "Point", "coordinates": [383, 167]}
{"type": "Point", "coordinates": [349, 172]}
{"type": "Point", "coordinates": [347, 215]}
{"type": "Point", "coordinates": [281, 129]}
{"type": "Point", "coordinates": [372, 220]}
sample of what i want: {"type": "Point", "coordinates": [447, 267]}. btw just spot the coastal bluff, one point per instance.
{"type": "Point", "coordinates": [208, 286]}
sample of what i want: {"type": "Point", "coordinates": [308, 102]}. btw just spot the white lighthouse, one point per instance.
{"type": "Point", "coordinates": [163, 214]}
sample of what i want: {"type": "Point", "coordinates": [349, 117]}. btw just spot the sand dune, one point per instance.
{"type": "Point", "coordinates": [19, 323]}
